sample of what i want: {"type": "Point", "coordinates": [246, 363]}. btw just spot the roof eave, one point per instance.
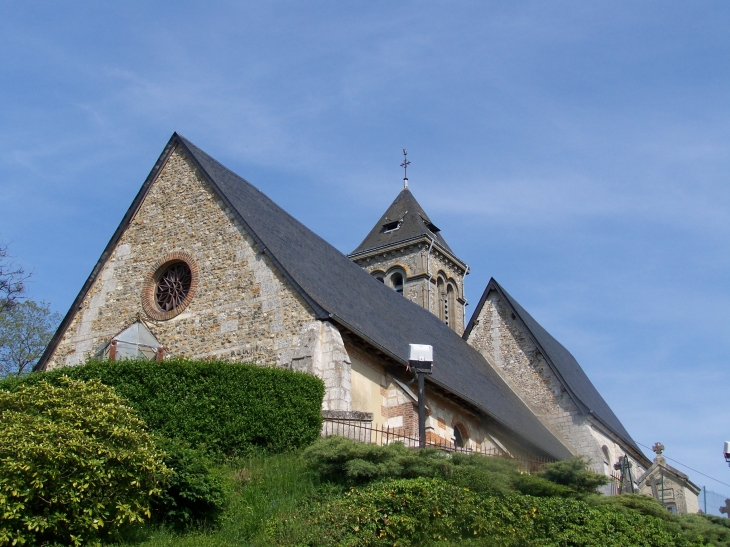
{"type": "Point", "coordinates": [405, 242]}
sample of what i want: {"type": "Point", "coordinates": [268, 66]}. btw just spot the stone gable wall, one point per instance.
{"type": "Point", "coordinates": [321, 351]}
{"type": "Point", "coordinates": [243, 308]}
{"type": "Point", "coordinates": [615, 451]}
{"type": "Point", "coordinates": [501, 339]}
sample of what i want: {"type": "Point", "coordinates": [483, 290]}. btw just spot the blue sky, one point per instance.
{"type": "Point", "coordinates": [579, 152]}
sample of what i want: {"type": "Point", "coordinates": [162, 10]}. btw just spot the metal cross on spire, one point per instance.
{"type": "Point", "coordinates": [405, 165]}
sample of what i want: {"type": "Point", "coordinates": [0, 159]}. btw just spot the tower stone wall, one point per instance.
{"type": "Point", "coordinates": [422, 264]}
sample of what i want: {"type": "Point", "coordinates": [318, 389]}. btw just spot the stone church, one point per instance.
{"type": "Point", "coordinates": [204, 265]}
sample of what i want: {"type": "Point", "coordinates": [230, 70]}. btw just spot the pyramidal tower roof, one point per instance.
{"type": "Point", "coordinates": [405, 219]}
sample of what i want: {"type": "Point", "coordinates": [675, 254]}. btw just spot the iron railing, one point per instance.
{"type": "Point", "coordinates": [359, 431]}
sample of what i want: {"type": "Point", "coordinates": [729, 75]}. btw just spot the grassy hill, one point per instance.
{"type": "Point", "coordinates": [342, 493]}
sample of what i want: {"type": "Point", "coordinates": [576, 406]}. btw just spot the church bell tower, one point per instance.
{"type": "Point", "coordinates": [407, 252]}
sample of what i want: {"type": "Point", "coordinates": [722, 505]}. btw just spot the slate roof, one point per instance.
{"type": "Point", "coordinates": [563, 364]}
{"type": "Point", "coordinates": [339, 290]}
{"type": "Point", "coordinates": [412, 222]}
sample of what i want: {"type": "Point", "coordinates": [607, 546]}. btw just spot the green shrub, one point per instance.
{"type": "Point", "coordinates": [713, 530]}
{"type": "Point", "coordinates": [341, 460]}
{"type": "Point", "coordinates": [427, 512]}
{"type": "Point", "coordinates": [228, 407]}
{"type": "Point", "coordinates": [532, 485]}
{"type": "Point", "coordinates": [645, 505]}
{"type": "Point", "coordinates": [194, 494]}
{"type": "Point", "coordinates": [574, 474]}
{"type": "Point", "coordinates": [483, 473]}
{"type": "Point", "coordinates": [76, 464]}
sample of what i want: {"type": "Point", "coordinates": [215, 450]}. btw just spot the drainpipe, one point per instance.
{"type": "Point", "coordinates": [428, 271]}
{"type": "Point", "coordinates": [463, 295]}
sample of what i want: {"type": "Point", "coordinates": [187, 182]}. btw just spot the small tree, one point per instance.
{"type": "Point", "coordinates": [25, 330]}
{"type": "Point", "coordinates": [12, 281]}
{"type": "Point", "coordinates": [76, 464]}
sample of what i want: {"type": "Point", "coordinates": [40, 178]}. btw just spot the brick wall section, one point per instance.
{"type": "Point", "coordinates": [242, 310]}
{"type": "Point", "coordinates": [501, 339]}
{"type": "Point", "coordinates": [399, 412]}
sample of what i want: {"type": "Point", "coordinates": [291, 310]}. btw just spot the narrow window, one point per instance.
{"type": "Point", "coordinates": [449, 304]}
{"type": "Point", "coordinates": [442, 308]}
{"type": "Point", "coordinates": [397, 280]}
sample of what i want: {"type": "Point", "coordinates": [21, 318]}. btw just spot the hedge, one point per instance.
{"type": "Point", "coordinates": [231, 408]}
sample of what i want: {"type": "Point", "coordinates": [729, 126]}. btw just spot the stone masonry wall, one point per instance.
{"type": "Point", "coordinates": [321, 351]}
{"type": "Point", "coordinates": [243, 309]}
{"type": "Point", "coordinates": [614, 450]}
{"type": "Point", "coordinates": [500, 338]}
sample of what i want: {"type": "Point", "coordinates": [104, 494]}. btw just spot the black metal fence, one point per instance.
{"type": "Point", "coordinates": [363, 432]}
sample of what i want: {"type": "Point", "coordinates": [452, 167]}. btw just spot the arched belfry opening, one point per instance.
{"type": "Point", "coordinates": [406, 251]}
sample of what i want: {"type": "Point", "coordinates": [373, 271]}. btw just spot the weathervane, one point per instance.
{"type": "Point", "coordinates": [405, 165]}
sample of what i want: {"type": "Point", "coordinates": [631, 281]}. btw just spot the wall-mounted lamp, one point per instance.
{"type": "Point", "coordinates": [420, 359]}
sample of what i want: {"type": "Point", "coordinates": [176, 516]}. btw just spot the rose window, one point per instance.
{"type": "Point", "coordinates": [173, 286]}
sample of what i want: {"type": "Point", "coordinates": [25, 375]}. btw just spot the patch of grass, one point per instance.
{"type": "Point", "coordinates": [262, 487]}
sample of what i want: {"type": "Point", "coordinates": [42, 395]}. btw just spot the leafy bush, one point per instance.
{"type": "Point", "coordinates": [193, 495]}
{"type": "Point", "coordinates": [228, 407]}
{"type": "Point", "coordinates": [713, 530]}
{"type": "Point", "coordinates": [430, 511]}
{"type": "Point", "coordinates": [533, 485]}
{"type": "Point", "coordinates": [484, 474]}
{"type": "Point", "coordinates": [76, 464]}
